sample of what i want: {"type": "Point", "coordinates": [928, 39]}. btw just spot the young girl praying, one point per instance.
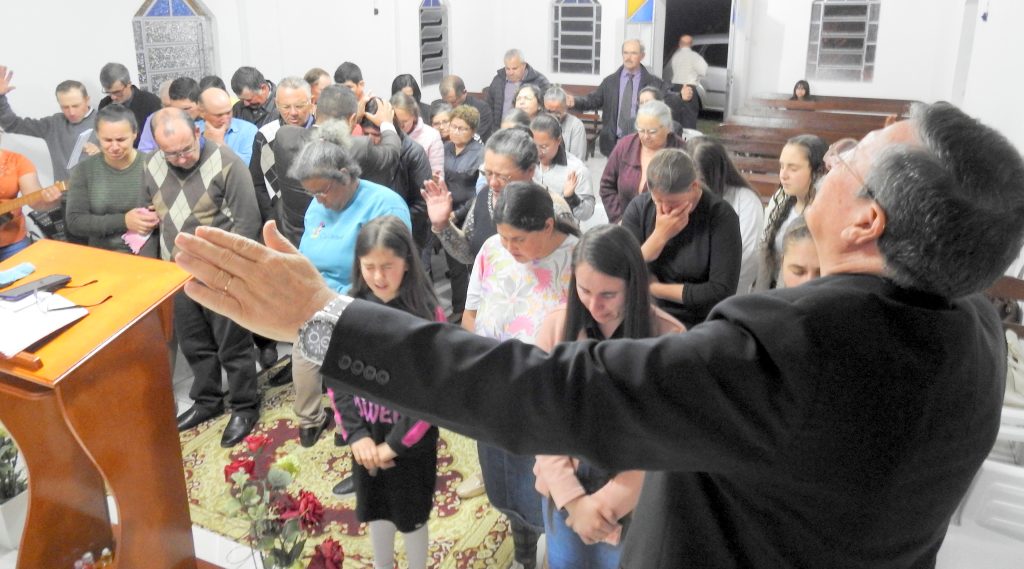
{"type": "Point", "coordinates": [395, 455]}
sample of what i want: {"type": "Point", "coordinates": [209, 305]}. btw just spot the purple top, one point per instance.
{"type": "Point", "coordinates": [620, 182]}
{"type": "Point", "coordinates": [510, 98]}
{"type": "Point", "coordinates": [623, 77]}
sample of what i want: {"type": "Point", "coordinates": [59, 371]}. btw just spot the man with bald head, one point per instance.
{"type": "Point", "coordinates": [507, 80]}
{"type": "Point", "coordinates": [687, 65]}
{"type": "Point", "coordinates": [192, 182]}
{"type": "Point", "coordinates": [294, 102]}
{"type": "Point", "coordinates": [218, 125]}
{"type": "Point", "coordinates": [618, 96]}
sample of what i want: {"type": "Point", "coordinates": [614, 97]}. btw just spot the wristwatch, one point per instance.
{"type": "Point", "coordinates": [315, 334]}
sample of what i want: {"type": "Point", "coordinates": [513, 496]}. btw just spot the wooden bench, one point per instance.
{"type": "Point", "coordinates": [899, 107]}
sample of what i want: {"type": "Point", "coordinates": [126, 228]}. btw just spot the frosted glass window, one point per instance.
{"type": "Point", "coordinates": [843, 39]}
{"type": "Point", "coordinates": [576, 36]}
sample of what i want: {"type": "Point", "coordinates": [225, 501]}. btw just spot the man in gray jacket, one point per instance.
{"type": "Point", "coordinates": [60, 130]}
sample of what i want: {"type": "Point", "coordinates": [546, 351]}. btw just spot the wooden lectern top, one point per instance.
{"type": "Point", "coordinates": [136, 285]}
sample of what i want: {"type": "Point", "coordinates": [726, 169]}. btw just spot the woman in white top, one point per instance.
{"type": "Point", "coordinates": [563, 174]}
{"type": "Point", "coordinates": [719, 174]}
{"type": "Point", "coordinates": [801, 164]}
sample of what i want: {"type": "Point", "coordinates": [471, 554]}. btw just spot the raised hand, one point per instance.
{"type": "Point", "coordinates": [439, 203]}
{"type": "Point", "coordinates": [570, 185]}
{"type": "Point", "coordinates": [5, 80]}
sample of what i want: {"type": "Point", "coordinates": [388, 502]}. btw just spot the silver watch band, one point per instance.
{"type": "Point", "coordinates": [331, 311]}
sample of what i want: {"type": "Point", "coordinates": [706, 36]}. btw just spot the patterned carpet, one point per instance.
{"type": "Point", "coordinates": [464, 534]}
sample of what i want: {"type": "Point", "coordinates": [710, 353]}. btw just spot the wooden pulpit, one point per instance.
{"type": "Point", "coordinates": [98, 412]}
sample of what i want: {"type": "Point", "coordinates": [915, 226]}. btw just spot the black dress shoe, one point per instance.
{"type": "Point", "coordinates": [239, 427]}
{"type": "Point", "coordinates": [283, 376]}
{"type": "Point", "coordinates": [268, 356]}
{"type": "Point", "coordinates": [197, 414]}
{"type": "Point", "coordinates": [345, 487]}
{"type": "Point", "coordinates": [308, 436]}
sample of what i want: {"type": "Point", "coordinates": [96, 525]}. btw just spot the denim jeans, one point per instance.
{"type": "Point", "coordinates": [567, 551]}
{"type": "Point", "coordinates": [509, 481]}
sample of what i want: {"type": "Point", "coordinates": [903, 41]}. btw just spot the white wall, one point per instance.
{"type": "Point", "coordinates": [995, 81]}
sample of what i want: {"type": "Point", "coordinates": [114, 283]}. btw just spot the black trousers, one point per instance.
{"type": "Point", "coordinates": [212, 342]}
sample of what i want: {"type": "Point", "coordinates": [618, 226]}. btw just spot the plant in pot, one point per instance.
{"type": "Point", "coordinates": [13, 498]}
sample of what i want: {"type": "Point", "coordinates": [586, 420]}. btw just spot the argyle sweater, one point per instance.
{"type": "Point", "coordinates": [217, 191]}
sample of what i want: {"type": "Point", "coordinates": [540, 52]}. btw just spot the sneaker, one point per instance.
{"type": "Point", "coordinates": [471, 487]}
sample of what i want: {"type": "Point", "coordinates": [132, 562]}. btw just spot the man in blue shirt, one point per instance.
{"type": "Point", "coordinates": [218, 125]}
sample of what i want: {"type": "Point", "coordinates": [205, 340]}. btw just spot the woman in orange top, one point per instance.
{"type": "Point", "coordinates": [608, 298]}
{"type": "Point", "coordinates": [18, 176]}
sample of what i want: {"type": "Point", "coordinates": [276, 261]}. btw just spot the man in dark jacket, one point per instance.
{"type": "Point", "coordinates": [501, 94]}
{"type": "Point", "coordinates": [257, 99]}
{"type": "Point", "coordinates": [617, 112]}
{"type": "Point", "coordinates": [117, 85]}
{"type": "Point", "coordinates": [453, 92]}
{"type": "Point", "coordinates": [835, 424]}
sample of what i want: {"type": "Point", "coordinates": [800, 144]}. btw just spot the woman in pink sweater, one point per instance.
{"type": "Point", "coordinates": [587, 508]}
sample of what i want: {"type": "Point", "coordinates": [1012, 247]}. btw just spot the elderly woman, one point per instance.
{"type": "Point", "coordinates": [529, 99]}
{"type": "Point", "coordinates": [690, 238]}
{"type": "Point", "coordinates": [18, 176]}
{"type": "Point", "coordinates": [407, 117]}
{"type": "Point", "coordinates": [104, 188]}
{"type": "Point", "coordinates": [520, 275]}
{"type": "Point", "coordinates": [440, 118]}
{"type": "Point", "coordinates": [625, 174]}
{"type": "Point", "coordinates": [342, 204]}
{"type": "Point", "coordinates": [560, 172]}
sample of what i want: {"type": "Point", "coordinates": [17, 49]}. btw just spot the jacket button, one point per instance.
{"type": "Point", "coordinates": [369, 373]}
{"type": "Point", "coordinates": [344, 362]}
{"type": "Point", "coordinates": [357, 367]}
{"type": "Point", "coordinates": [383, 377]}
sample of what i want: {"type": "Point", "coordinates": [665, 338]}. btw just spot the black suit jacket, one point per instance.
{"type": "Point", "coordinates": [606, 98]}
{"type": "Point", "coordinates": [836, 424]}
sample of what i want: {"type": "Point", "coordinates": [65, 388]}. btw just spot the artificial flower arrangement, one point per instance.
{"type": "Point", "coordinates": [280, 522]}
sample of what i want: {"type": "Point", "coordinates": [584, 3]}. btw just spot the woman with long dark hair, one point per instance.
{"type": "Point", "coordinates": [407, 84]}
{"type": "Point", "coordinates": [801, 165]}
{"type": "Point", "coordinates": [608, 298]}
{"type": "Point", "coordinates": [721, 177]}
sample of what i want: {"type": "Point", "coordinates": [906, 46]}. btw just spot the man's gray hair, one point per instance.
{"type": "Point", "coordinates": [954, 207]}
{"type": "Point", "coordinates": [336, 102]}
{"type": "Point", "coordinates": [326, 155]}
{"type": "Point", "coordinates": [671, 171]}
{"type": "Point", "coordinates": [514, 54]}
{"type": "Point", "coordinates": [556, 94]}
{"type": "Point", "coordinates": [112, 73]}
{"type": "Point", "coordinates": [643, 50]}
{"type": "Point", "coordinates": [658, 110]}
{"type": "Point", "coordinates": [517, 145]}
{"type": "Point", "coordinates": [292, 82]}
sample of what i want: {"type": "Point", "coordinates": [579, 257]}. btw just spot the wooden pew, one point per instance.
{"type": "Point", "coordinates": [899, 107]}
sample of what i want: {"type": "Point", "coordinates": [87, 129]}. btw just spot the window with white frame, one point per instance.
{"type": "Point", "coordinates": [843, 40]}
{"type": "Point", "coordinates": [433, 42]}
{"type": "Point", "coordinates": [576, 38]}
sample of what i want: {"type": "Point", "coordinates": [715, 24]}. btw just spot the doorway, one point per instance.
{"type": "Point", "coordinates": [708, 21]}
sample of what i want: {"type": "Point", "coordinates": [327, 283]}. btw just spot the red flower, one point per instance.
{"type": "Point", "coordinates": [308, 510]}
{"type": "Point", "coordinates": [256, 442]}
{"type": "Point", "coordinates": [283, 503]}
{"type": "Point", "coordinates": [327, 555]}
{"type": "Point", "coordinates": [246, 464]}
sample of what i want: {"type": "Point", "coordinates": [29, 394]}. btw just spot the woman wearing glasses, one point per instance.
{"type": "Point", "coordinates": [625, 174]}
{"type": "Point", "coordinates": [342, 203]}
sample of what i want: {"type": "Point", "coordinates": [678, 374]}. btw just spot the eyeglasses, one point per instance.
{"type": "Point", "coordinates": [293, 108]}
{"type": "Point", "coordinates": [841, 153]}
{"type": "Point", "coordinates": [183, 152]}
{"type": "Point", "coordinates": [504, 178]}
{"type": "Point", "coordinates": [455, 128]}
{"type": "Point", "coordinates": [118, 91]}
{"type": "Point", "coordinates": [325, 190]}
{"type": "Point", "coordinates": [648, 131]}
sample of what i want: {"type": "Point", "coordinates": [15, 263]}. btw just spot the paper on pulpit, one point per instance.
{"type": "Point", "coordinates": [24, 322]}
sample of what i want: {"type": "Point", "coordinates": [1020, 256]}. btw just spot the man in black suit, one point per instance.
{"type": "Point", "coordinates": [617, 96]}
{"type": "Point", "coordinates": [835, 424]}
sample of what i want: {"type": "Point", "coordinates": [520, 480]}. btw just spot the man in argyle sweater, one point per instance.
{"type": "Point", "coordinates": [192, 182]}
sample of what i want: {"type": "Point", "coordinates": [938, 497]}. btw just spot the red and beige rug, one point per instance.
{"type": "Point", "coordinates": [464, 534]}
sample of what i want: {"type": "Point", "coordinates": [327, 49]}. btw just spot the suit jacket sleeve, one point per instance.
{"type": "Point", "coordinates": [592, 100]}
{"type": "Point", "coordinates": [701, 401]}
{"type": "Point", "coordinates": [386, 154]}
